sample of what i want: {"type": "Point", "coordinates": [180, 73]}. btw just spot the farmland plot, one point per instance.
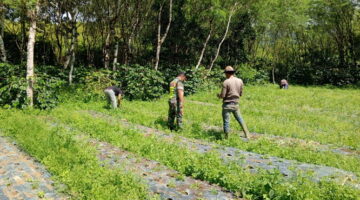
{"type": "Point", "coordinates": [292, 154]}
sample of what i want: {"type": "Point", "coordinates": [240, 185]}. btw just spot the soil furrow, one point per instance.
{"type": "Point", "coordinates": [288, 141]}
{"type": "Point", "coordinates": [168, 183]}
{"type": "Point", "coordinates": [348, 151]}
{"type": "Point", "coordinates": [253, 161]}
{"type": "Point", "coordinates": [21, 177]}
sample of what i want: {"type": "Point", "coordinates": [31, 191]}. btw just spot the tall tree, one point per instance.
{"type": "Point", "coordinates": [2, 21]}
{"type": "Point", "coordinates": [108, 13]}
{"type": "Point", "coordinates": [34, 7]}
{"type": "Point", "coordinates": [230, 15]}
{"type": "Point", "coordinates": [161, 38]}
{"type": "Point", "coordinates": [208, 15]}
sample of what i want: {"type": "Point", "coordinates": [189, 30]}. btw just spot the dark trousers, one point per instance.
{"type": "Point", "coordinates": [174, 114]}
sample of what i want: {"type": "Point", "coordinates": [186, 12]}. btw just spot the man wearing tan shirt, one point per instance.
{"type": "Point", "coordinates": [231, 93]}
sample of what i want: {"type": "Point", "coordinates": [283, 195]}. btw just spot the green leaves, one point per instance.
{"type": "Point", "coordinates": [13, 87]}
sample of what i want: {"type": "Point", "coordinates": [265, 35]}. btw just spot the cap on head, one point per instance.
{"type": "Point", "coordinates": [229, 70]}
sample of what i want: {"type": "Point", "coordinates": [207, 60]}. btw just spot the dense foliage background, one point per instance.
{"type": "Point", "coordinates": [95, 43]}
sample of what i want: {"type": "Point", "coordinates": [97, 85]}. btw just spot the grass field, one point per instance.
{"type": "Point", "coordinates": [306, 119]}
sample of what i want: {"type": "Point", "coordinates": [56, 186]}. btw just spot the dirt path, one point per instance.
{"type": "Point", "coordinates": [253, 161]}
{"type": "Point", "coordinates": [21, 177]}
{"type": "Point", "coordinates": [168, 183]}
{"type": "Point", "coordinates": [348, 151]}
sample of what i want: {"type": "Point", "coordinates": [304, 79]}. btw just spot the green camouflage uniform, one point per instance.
{"type": "Point", "coordinates": [174, 105]}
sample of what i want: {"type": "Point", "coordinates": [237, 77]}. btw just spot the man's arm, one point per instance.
{"type": "Point", "coordinates": [181, 100]}
{"type": "Point", "coordinates": [223, 91]}
{"type": "Point", "coordinates": [241, 88]}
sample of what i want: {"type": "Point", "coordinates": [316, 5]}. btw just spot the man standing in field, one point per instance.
{"type": "Point", "coordinates": [176, 102]}
{"type": "Point", "coordinates": [231, 92]}
{"type": "Point", "coordinates": [114, 96]}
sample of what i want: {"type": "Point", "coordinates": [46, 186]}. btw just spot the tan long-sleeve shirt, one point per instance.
{"type": "Point", "coordinates": [232, 90]}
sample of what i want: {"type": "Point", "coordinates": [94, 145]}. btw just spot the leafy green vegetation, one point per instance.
{"type": "Point", "coordinates": [267, 110]}
{"type": "Point", "coordinates": [72, 162]}
{"type": "Point", "coordinates": [207, 166]}
{"type": "Point", "coordinates": [59, 56]}
{"type": "Point", "coordinates": [276, 112]}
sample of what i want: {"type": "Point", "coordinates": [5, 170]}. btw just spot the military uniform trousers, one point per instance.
{"type": "Point", "coordinates": [174, 114]}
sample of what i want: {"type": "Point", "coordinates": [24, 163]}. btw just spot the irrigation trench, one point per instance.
{"type": "Point", "coordinates": [21, 177]}
{"type": "Point", "coordinates": [253, 161]}
{"type": "Point", "coordinates": [286, 140]}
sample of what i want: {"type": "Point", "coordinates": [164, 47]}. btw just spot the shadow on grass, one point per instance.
{"type": "Point", "coordinates": [215, 134]}
{"type": "Point", "coordinates": [211, 134]}
{"type": "Point", "coordinates": [161, 122]}
{"type": "Point", "coordinates": [195, 129]}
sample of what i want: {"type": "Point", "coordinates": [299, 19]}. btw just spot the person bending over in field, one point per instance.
{"type": "Point", "coordinates": [231, 92]}
{"type": "Point", "coordinates": [114, 96]}
{"type": "Point", "coordinates": [284, 84]}
{"type": "Point", "coordinates": [176, 102]}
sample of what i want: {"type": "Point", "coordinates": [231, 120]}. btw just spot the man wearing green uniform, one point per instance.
{"type": "Point", "coordinates": [176, 102]}
{"type": "Point", "coordinates": [231, 92]}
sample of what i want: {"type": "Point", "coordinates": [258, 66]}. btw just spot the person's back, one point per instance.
{"type": "Point", "coordinates": [233, 90]}
{"type": "Point", "coordinates": [113, 95]}
{"type": "Point", "coordinates": [231, 93]}
{"type": "Point", "coordinates": [284, 84]}
{"type": "Point", "coordinates": [116, 90]}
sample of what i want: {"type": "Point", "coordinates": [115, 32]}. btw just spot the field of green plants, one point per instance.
{"type": "Point", "coordinates": [298, 135]}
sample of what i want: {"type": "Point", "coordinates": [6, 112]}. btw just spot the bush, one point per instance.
{"type": "Point", "coordinates": [95, 82]}
{"type": "Point", "coordinates": [47, 91]}
{"type": "Point", "coordinates": [196, 79]}
{"type": "Point", "coordinates": [139, 82]}
{"type": "Point", "coordinates": [250, 75]}
{"type": "Point", "coordinates": [13, 88]}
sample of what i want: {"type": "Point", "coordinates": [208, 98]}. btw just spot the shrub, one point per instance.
{"type": "Point", "coordinates": [47, 91]}
{"type": "Point", "coordinates": [139, 82]}
{"type": "Point", "coordinates": [13, 88]}
{"type": "Point", "coordinates": [95, 82]}
{"type": "Point", "coordinates": [196, 79]}
{"type": "Point", "coordinates": [250, 75]}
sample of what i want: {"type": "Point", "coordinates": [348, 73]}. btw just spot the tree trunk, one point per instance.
{"type": "Point", "coordinates": [203, 50]}
{"type": "Point", "coordinates": [2, 45]}
{"type": "Point", "coordinates": [222, 41]}
{"type": "Point", "coordinates": [273, 75]}
{"type": "Point", "coordinates": [2, 49]}
{"type": "Point", "coordinates": [161, 39]}
{"type": "Point", "coordinates": [116, 55]}
{"type": "Point", "coordinates": [23, 19]}
{"type": "Point", "coordinates": [107, 51]}
{"type": "Point", "coordinates": [30, 56]}
{"type": "Point", "coordinates": [72, 50]}
{"type": "Point", "coordinates": [58, 33]}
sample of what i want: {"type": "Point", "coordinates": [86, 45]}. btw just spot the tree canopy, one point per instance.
{"type": "Point", "coordinates": [305, 41]}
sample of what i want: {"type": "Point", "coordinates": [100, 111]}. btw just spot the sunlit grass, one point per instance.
{"type": "Point", "coordinates": [289, 116]}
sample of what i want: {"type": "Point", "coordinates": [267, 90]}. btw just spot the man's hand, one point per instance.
{"type": "Point", "coordinates": [219, 96]}
{"type": "Point", "coordinates": [182, 111]}
{"type": "Point", "coordinates": [119, 99]}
